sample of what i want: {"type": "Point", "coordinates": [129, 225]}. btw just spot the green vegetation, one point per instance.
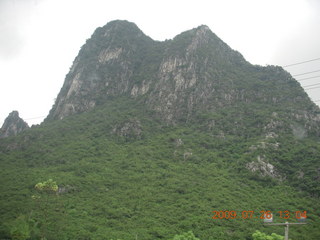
{"type": "Point", "coordinates": [19, 229]}
{"type": "Point", "coordinates": [185, 236]}
{"type": "Point", "coordinates": [262, 236]}
{"type": "Point", "coordinates": [152, 181]}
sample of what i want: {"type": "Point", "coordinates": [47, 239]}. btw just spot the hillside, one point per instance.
{"type": "Point", "coordinates": [146, 139]}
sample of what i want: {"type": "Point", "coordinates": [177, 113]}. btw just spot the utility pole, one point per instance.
{"type": "Point", "coordinates": [286, 231]}
{"type": "Point", "coordinates": [286, 228]}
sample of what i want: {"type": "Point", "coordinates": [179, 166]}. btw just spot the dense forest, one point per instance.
{"type": "Point", "coordinates": [150, 181]}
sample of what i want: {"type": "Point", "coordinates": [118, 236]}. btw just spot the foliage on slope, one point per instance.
{"type": "Point", "coordinates": [123, 174]}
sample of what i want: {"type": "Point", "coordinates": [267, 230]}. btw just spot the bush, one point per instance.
{"type": "Point", "coordinates": [257, 235]}
{"type": "Point", "coordinates": [186, 236]}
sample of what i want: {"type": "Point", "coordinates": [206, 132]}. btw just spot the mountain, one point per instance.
{"type": "Point", "coordinates": [149, 139]}
{"type": "Point", "coordinates": [195, 73]}
{"type": "Point", "coordinates": [13, 125]}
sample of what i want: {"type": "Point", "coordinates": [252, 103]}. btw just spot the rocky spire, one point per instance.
{"type": "Point", "coordinates": [13, 125]}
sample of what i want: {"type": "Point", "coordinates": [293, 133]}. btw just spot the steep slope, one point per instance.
{"type": "Point", "coordinates": [13, 125]}
{"type": "Point", "coordinates": [122, 174]}
{"type": "Point", "coordinates": [103, 69]}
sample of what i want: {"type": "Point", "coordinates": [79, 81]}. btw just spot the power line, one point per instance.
{"type": "Point", "coordinates": [311, 88]}
{"type": "Point", "coordinates": [299, 80]}
{"type": "Point", "coordinates": [34, 118]}
{"type": "Point", "coordinates": [311, 85]}
{"type": "Point", "coordinates": [316, 59]}
{"type": "Point", "coordinates": [305, 73]}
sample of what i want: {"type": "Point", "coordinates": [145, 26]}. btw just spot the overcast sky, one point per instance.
{"type": "Point", "coordinates": [39, 39]}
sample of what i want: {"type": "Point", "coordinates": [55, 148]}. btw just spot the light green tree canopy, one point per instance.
{"type": "Point", "coordinates": [257, 235]}
{"type": "Point", "coordinates": [186, 236]}
{"type": "Point", "coordinates": [49, 186]}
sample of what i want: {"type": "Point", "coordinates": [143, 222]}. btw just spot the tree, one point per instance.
{"type": "Point", "coordinates": [22, 228]}
{"type": "Point", "coordinates": [186, 236]}
{"type": "Point", "coordinates": [49, 186]}
{"type": "Point", "coordinates": [19, 229]}
{"type": "Point", "coordinates": [48, 192]}
{"type": "Point", "coordinates": [257, 235]}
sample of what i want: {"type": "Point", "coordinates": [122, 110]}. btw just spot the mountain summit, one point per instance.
{"type": "Point", "coordinates": [13, 125]}
{"type": "Point", "coordinates": [194, 73]}
{"type": "Point", "coordinates": [120, 60]}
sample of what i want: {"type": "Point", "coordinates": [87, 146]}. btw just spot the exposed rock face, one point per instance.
{"type": "Point", "coordinates": [104, 68]}
{"type": "Point", "coordinates": [263, 168]}
{"type": "Point", "coordinates": [119, 59]}
{"type": "Point", "coordinates": [13, 125]}
{"type": "Point", "coordinates": [193, 73]}
{"type": "Point", "coordinates": [130, 129]}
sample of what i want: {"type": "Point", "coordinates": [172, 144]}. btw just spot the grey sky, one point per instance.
{"type": "Point", "coordinates": [39, 39]}
{"type": "Point", "coordinates": [14, 17]}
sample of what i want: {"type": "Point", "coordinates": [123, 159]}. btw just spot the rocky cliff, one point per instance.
{"type": "Point", "coordinates": [194, 73]}
{"type": "Point", "coordinates": [13, 125]}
